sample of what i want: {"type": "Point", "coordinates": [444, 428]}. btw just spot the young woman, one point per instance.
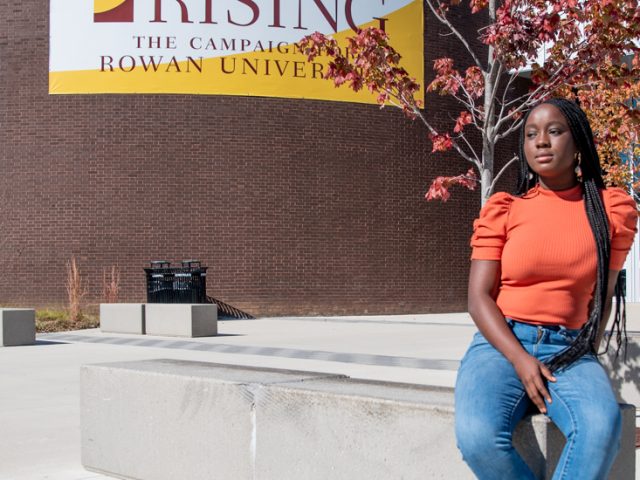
{"type": "Point", "coordinates": [543, 272]}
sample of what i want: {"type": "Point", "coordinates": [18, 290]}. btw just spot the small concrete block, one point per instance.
{"type": "Point", "coordinates": [181, 319]}
{"type": "Point", "coordinates": [17, 326]}
{"type": "Point", "coordinates": [122, 318]}
{"type": "Point", "coordinates": [171, 419]}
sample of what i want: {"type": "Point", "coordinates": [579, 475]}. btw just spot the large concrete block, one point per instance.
{"type": "Point", "coordinates": [181, 320]}
{"type": "Point", "coordinates": [168, 419]}
{"type": "Point", "coordinates": [122, 318]}
{"type": "Point", "coordinates": [17, 326]}
{"type": "Point", "coordinates": [164, 419]}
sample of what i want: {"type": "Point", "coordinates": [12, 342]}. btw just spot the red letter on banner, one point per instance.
{"type": "Point", "coordinates": [254, 8]}
{"type": "Point", "coordinates": [158, 12]}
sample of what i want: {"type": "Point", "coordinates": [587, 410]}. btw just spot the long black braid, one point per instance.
{"type": "Point", "coordinates": [592, 186]}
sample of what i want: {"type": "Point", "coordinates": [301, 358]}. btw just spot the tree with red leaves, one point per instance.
{"type": "Point", "coordinates": [585, 42]}
{"type": "Point", "coordinates": [614, 115]}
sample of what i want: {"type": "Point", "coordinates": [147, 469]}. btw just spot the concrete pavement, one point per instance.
{"type": "Point", "coordinates": [39, 410]}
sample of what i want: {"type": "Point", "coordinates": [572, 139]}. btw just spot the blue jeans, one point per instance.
{"type": "Point", "coordinates": [491, 400]}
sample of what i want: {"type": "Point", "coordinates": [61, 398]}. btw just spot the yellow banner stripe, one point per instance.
{"type": "Point", "coordinates": [100, 6]}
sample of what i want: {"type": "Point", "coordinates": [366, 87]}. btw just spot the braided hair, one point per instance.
{"type": "Point", "coordinates": [592, 186]}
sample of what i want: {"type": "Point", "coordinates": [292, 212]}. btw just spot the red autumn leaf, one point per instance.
{"type": "Point", "coordinates": [441, 143]}
{"type": "Point", "coordinates": [474, 81]}
{"type": "Point", "coordinates": [465, 118]}
{"type": "Point", "coordinates": [447, 81]}
{"type": "Point", "coordinates": [439, 189]}
{"type": "Point", "coordinates": [443, 66]}
{"type": "Point", "coordinates": [477, 5]}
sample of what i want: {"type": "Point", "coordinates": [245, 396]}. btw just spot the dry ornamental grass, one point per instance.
{"type": "Point", "coordinates": [110, 285]}
{"type": "Point", "coordinates": [76, 290]}
{"type": "Point", "coordinates": [75, 317]}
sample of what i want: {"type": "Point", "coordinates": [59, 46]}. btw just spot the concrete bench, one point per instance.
{"type": "Point", "coordinates": [17, 326]}
{"type": "Point", "coordinates": [122, 318]}
{"type": "Point", "coordinates": [168, 419]}
{"type": "Point", "coordinates": [181, 319]}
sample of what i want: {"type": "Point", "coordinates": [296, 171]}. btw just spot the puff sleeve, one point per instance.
{"type": "Point", "coordinates": [490, 230]}
{"type": "Point", "coordinates": [623, 221]}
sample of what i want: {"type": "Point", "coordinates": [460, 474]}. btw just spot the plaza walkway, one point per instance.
{"type": "Point", "coordinates": [39, 398]}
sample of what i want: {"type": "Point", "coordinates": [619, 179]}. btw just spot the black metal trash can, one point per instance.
{"type": "Point", "coordinates": [184, 284]}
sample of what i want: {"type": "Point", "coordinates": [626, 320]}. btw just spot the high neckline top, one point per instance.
{"type": "Point", "coordinates": [573, 193]}
{"type": "Point", "coordinates": [547, 251]}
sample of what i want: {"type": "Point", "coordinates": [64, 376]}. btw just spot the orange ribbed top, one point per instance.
{"type": "Point", "coordinates": [547, 251]}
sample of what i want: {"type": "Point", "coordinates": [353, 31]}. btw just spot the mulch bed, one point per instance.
{"type": "Point", "coordinates": [49, 325]}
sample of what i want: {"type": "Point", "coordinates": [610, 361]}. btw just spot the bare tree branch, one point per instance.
{"type": "Point", "coordinates": [555, 76]}
{"type": "Point", "coordinates": [455, 144]}
{"type": "Point", "coordinates": [514, 127]}
{"type": "Point", "coordinates": [477, 160]}
{"type": "Point", "coordinates": [527, 101]}
{"type": "Point", "coordinates": [494, 77]}
{"type": "Point", "coordinates": [443, 19]}
{"type": "Point", "coordinates": [512, 79]}
{"type": "Point", "coordinates": [502, 170]}
{"type": "Point", "coordinates": [471, 106]}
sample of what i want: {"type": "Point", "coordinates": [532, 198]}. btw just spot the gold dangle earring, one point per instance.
{"type": "Point", "coordinates": [578, 170]}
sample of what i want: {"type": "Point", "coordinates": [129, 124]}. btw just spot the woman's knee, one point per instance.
{"type": "Point", "coordinates": [606, 426]}
{"type": "Point", "coordinates": [600, 429]}
{"type": "Point", "coordinates": [479, 438]}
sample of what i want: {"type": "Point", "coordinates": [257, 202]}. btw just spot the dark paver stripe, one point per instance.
{"type": "Point", "coordinates": [358, 358]}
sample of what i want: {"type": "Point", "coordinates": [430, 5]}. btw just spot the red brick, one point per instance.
{"type": "Point", "coordinates": [297, 207]}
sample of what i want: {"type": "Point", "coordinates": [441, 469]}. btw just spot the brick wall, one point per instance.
{"type": "Point", "coordinates": [297, 207]}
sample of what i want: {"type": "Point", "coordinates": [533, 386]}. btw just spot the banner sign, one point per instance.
{"type": "Point", "coordinates": [226, 47]}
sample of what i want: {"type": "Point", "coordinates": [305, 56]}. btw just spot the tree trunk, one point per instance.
{"type": "Point", "coordinates": [486, 179]}
{"type": "Point", "coordinates": [488, 137]}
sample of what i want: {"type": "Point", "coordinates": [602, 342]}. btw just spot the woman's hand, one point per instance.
{"type": "Point", "coordinates": [532, 373]}
{"type": "Point", "coordinates": [484, 280]}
